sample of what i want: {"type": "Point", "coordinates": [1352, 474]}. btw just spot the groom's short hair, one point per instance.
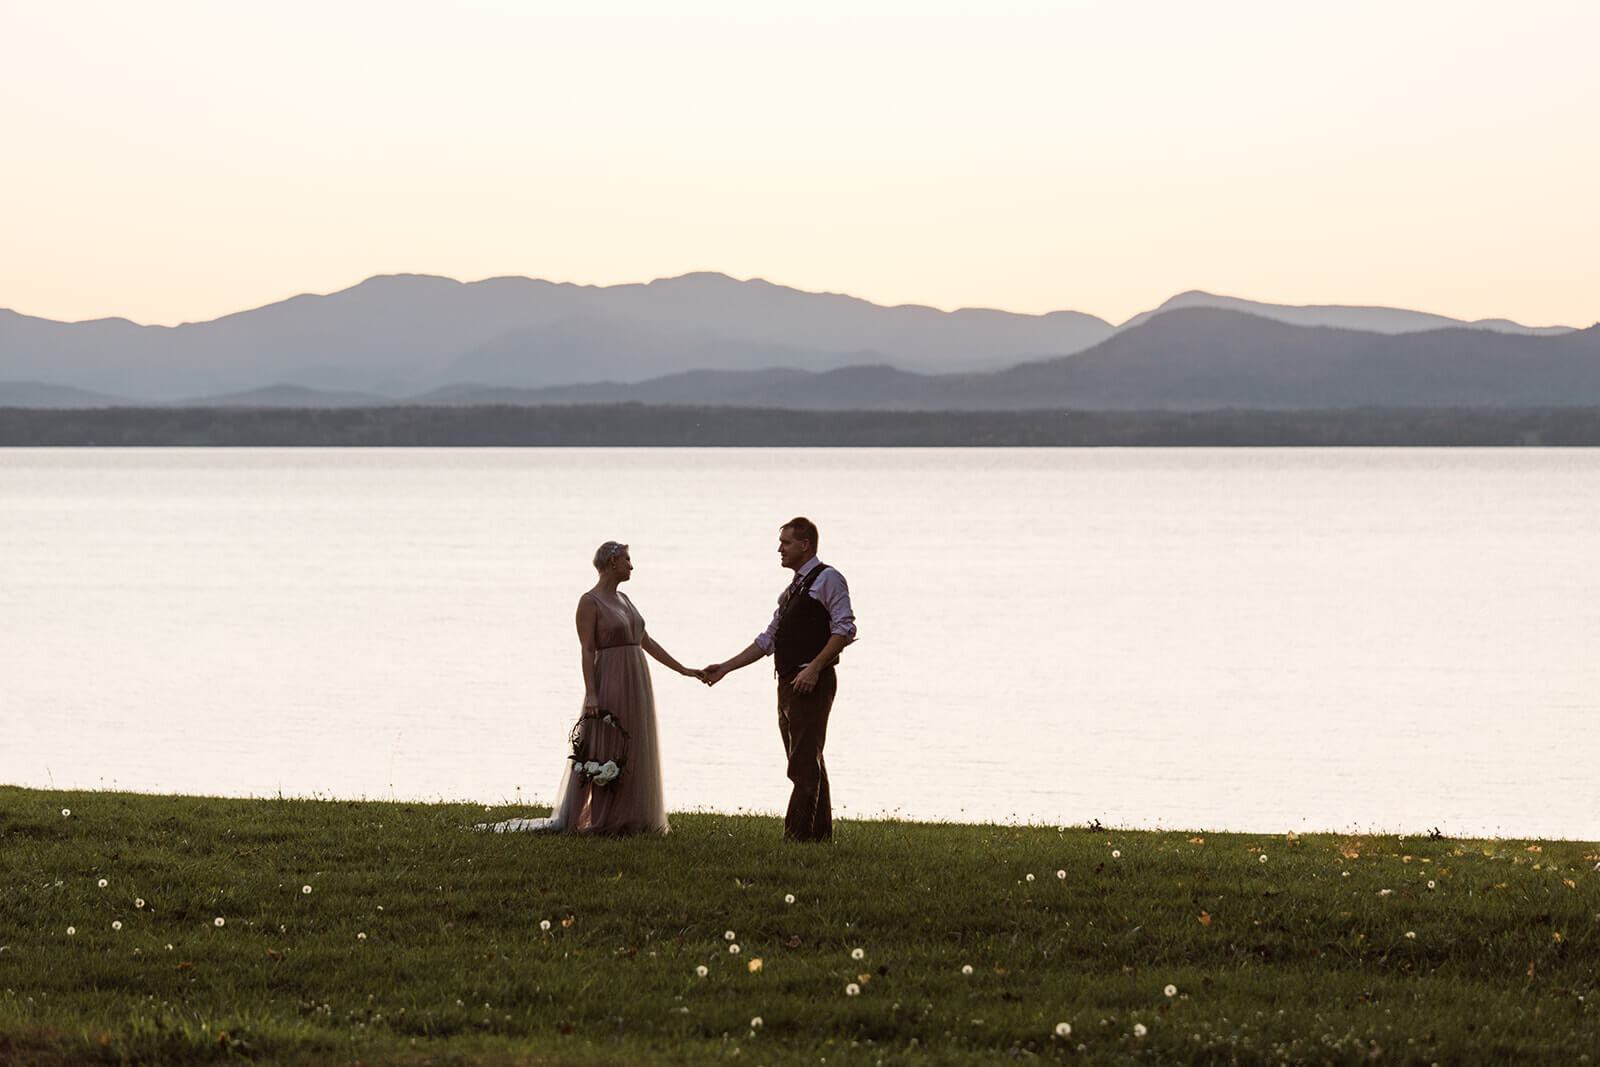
{"type": "Point", "coordinates": [803, 529]}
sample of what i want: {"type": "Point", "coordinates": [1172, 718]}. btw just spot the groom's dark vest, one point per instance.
{"type": "Point", "coordinates": [803, 626]}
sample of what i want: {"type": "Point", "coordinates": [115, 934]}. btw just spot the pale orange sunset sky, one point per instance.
{"type": "Point", "coordinates": [174, 160]}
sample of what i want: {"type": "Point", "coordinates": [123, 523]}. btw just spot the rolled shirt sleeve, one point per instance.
{"type": "Point", "coordinates": [765, 639]}
{"type": "Point", "coordinates": [834, 592]}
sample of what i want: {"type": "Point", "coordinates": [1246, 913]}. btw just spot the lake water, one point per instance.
{"type": "Point", "coordinates": [1258, 640]}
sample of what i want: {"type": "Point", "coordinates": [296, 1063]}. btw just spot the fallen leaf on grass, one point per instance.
{"type": "Point", "coordinates": [1205, 918]}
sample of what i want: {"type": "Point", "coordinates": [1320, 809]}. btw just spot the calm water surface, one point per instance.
{"type": "Point", "coordinates": [1255, 640]}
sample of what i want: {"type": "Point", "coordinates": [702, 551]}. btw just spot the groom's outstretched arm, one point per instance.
{"type": "Point", "coordinates": [713, 674]}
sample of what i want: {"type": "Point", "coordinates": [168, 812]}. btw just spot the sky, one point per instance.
{"type": "Point", "coordinates": [177, 160]}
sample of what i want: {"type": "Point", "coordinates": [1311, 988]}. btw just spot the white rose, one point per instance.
{"type": "Point", "coordinates": [591, 768]}
{"type": "Point", "coordinates": [608, 771]}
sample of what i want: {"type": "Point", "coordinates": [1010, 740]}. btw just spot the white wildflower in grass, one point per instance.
{"type": "Point", "coordinates": [66, 813]}
{"type": "Point", "coordinates": [1116, 853]}
{"type": "Point", "coordinates": [702, 970]}
{"type": "Point", "coordinates": [72, 931]}
{"type": "Point", "coordinates": [728, 935]}
{"type": "Point", "coordinates": [755, 1024]}
{"type": "Point", "coordinates": [544, 924]}
{"type": "Point", "coordinates": [116, 924]}
{"type": "Point", "coordinates": [1139, 1030]}
{"type": "Point", "coordinates": [361, 936]}
{"type": "Point", "coordinates": [1430, 884]}
{"type": "Point", "coordinates": [306, 890]}
{"type": "Point", "coordinates": [1263, 857]}
{"type": "Point", "coordinates": [169, 948]}
{"type": "Point", "coordinates": [1063, 1029]}
{"type": "Point", "coordinates": [1062, 875]}
{"type": "Point", "coordinates": [1030, 877]}
{"type": "Point", "coordinates": [1171, 991]}
{"type": "Point", "coordinates": [857, 953]}
{"type": "Point", "coordinates": [138, 902]}
{"type": "Point", "coordinates": [852, 990]}
{"type": "Point", "coordinates": [102, 883]}
{"type": "Point", "coordinates": [788, 898]}
{"type": "Point", "coordinates": [1411, 935]}
{"type": "Point", "coordinates": [966, 968]}
{"type": "Point", "coordinates": [733, 950]}
{"type": "Point", "coordinates": [219, 921]}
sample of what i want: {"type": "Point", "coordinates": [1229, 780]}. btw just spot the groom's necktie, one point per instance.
{"type": "Point", "coordinates": [794, 587]}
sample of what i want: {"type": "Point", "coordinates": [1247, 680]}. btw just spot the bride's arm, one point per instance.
{"type": "Point", "coordinates": [662, 656]}
{"type": "Point", "coordinates": [586, 642]}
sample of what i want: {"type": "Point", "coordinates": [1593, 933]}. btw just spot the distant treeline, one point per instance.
{"type": "Point", "coordinates": [635, 425]}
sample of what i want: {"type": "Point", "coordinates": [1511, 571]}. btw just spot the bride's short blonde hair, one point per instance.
{"type": "Point", "coordinates": [606, 553]}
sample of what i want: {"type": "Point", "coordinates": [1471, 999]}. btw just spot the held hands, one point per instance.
{"type": "Point", "coordinates": [713, 674]}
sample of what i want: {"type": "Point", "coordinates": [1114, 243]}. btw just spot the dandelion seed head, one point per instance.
{"type": "Point", "coordinates": [1061, 875]}
{"type": "Point", "coordinates": [66, 813]}
{"type": "Point", "coordinates": [72, 931]}
{"type": "Point", "coordinates": [966, 968]}
{"type": "Point", "coordinates": [733, 949]}
{"type": "Point", "coordinates": [728, 935]}
{"type": "Point", "coordinates": [102, 883]}
{"type": "Point", "coordinates": [305, 889]}
{"type": "Point", "coordinates": [788, 898]}
{"type": "Point", "coordinates": [1263, 857]}
{"type": "Point", "coordinates": [1430, 884]}
{"type": "Point", "coordinates": [1063, 1029]}
{"type": "Point", "coordinates": [544, 924]}
{"type": "Point", "coordinates": [138, 902]}
{"type": "Point", "coordinates": [1411, 935]}
{"type": "Point", "coordinates": [755, 1024]}
{"type": "Point", "coordinates": [857, 953]}
{"type": "Point", "coordinates": [1030, 877]}
{"type": "Point", "coordinates": [116, 924]}
{"type": "Point", "coordinates": [1139, 1030]}
{"type": "Point", "coordinates": [852, 990]}
{"type": "Point", "coordinates": [219, 921]}
{"type": "Point", "coordinates": [1171, 991]}
{"type": "Point", "coordinates": [702, 970]}
{"type": "Point", "coordinates": [1116, 853]}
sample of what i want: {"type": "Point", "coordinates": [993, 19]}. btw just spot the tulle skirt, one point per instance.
{"type": "Point", "coordinates": [633, 802]}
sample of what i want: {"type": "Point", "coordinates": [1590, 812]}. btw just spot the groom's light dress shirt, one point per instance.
{"type": "Point", "coordinates": [831, 590]}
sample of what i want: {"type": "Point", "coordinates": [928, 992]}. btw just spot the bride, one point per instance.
{"type": "Point", "coordinates": [612, 783]}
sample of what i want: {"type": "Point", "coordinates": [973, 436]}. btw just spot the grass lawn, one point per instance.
{"type": "Point", "coordinates": [173, 930]}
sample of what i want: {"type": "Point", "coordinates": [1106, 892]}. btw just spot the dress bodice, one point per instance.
{"type": "Point", "coordinates": [616, 625]}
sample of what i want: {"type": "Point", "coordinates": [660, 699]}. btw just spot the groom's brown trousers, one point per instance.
{"type": "Point", "coordinates": [803, 722]}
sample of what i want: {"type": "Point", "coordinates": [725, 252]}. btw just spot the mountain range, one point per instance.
{"type": "Point", "coordinates": [708, 339]}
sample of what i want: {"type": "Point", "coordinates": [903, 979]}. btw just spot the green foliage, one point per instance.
{"type": "Point", "coordinates": [422, 941]}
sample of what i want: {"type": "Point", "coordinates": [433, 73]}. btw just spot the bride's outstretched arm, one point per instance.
{"type": "Point", "coordinates": [663, 657]}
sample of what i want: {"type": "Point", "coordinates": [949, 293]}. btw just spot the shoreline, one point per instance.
{"type": "Point", "coordinates": [640, 426]}
{"type": "Point", "coordinates": [513, 809]}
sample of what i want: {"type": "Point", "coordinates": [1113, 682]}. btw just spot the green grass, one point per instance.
{"type": "Point", "coordinates": [1331, 949]}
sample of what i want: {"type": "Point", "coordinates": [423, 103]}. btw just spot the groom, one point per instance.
{"type": "Point", "coordinates": [812, 625]}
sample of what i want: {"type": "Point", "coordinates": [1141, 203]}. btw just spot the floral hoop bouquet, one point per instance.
{"type": "Point", "coordinates": [582, 740]}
